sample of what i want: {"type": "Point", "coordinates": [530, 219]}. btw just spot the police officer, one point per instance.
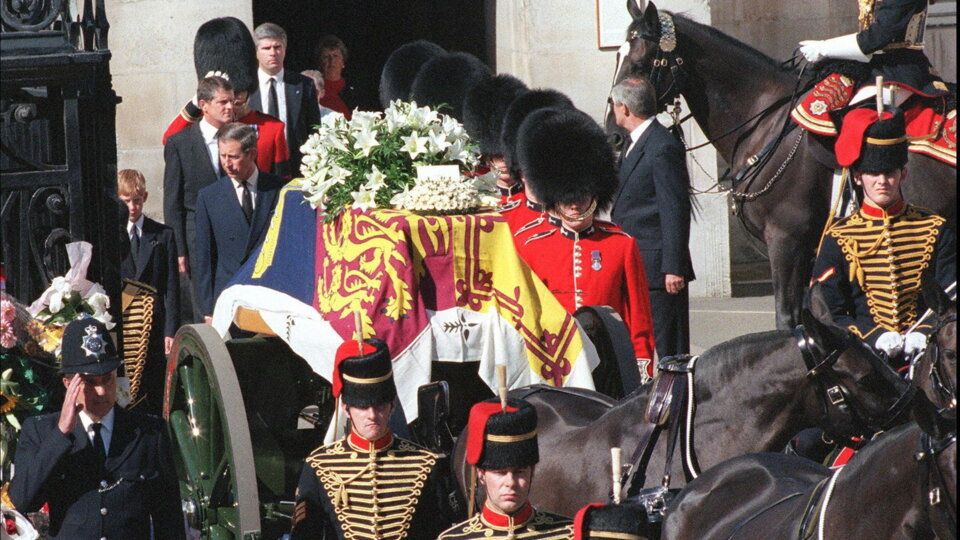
{"type": "Point", "coordinates": [369, 484]}
{"type": "Point", "coordinates": [502, 447]}
{"type": "Point", "coordinates": [568, 164]}
{"type": "Point", "coordinates": [871, 263]}
{"type": "Point", "coordinates": [106, 472]}
{"type": "Point", "coordinates": [606, 521]}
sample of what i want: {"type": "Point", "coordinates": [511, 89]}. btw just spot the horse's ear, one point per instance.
{"type": "Point", "coordinates": [651, 17]}
{"type": "Point", "coordinates": [635, 8]}
{"type": "Point", "coordinates": [933, 294]}
{"type": "Point", "coordinates": [817, 303]}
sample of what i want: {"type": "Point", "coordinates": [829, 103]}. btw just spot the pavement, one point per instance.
{"type": "Point", "coordinates": [715, 320]}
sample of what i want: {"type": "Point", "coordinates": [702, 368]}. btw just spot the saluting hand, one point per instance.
{"type": "Point", "coordinates": [70, 409]}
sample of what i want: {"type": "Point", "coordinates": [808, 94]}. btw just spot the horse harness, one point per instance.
{"type": "Point", "coordinates": [946, 395]}
{"type": "Point", "coordinates": [836, 399]}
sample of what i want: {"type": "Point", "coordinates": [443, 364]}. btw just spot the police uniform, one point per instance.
{"type": "Point", "coordinates": [91, 495]}
{"type": "Point", "coordinates": [499, 438]}
{"type": "Point", "coordinates": [565, 158]}
{"type": "Point", "coordinates": [618, 521]}
{"type": "Point", "coordinates": [355, 488]}
{"type": "Point", "coordinates": [598, 266]}
{"type": "Point", "coordinates": [871, 263]}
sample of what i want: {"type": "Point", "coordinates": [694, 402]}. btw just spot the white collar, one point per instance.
{"type": "Point", "coordinates": [138, 224]}
{"type": "Point", "coordinates": [106, 421]}
{"type": "Point", "coordinates": [638, 131]}
{"type": "Point", "coordinates": [263, 76]}
{"type": "Point", "coordinates": [208, 131]}
{"type": "Point", "coordinates": [251, 182]}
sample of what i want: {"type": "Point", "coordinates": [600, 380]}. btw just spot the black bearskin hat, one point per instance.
{"type": "Point", "coordinates": [498, 439]}
{"type": "Point", "coordinates": [873, 143]}
{"type": "Point", "coordinates": [517, 111]}
{"type": "Point", "coordinates": [485, 107]}
{"type": "Point", "coordinates": [87, 348]}
{"type": "Point", "coordinates": [364, 378]}
{"type": "Point", "coordinates": [402, 67]}
{"type": "Point", "coordinates": [225, 44]}
{"type": "Point", "coordinates": [445, 80]}
{"type": "Point", "coordinates": [626, 521]}
{"type": "Point", "coordinates": [564, 157]}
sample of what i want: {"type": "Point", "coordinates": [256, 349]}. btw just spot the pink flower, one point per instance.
{"type": "Point", "coordinates": [7, 311]}
{"type": "Point", "coordinates": [7, 338]}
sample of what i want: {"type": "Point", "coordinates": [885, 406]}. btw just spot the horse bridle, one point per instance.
{"type": "Point", "coordinates": [947, 395]}
{"type": "Point", "coordinates": [836, 398]}
{"type": "Point", "coordinates": [666, 62]}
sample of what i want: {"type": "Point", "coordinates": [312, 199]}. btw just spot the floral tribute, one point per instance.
{"type": "Point", "coordinates": [371, 160]}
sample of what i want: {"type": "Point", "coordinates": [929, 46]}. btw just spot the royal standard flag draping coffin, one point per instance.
{"type": "Point", "coordinates": [435, 288]}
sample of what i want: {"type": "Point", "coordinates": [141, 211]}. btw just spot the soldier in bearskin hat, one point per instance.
{"type": "Point", "coordinates": [484, 110]}
{"type": "Point", "coordinates": [605, 521]}
{"type": "Point", "coordinates": [443, 81]}
{"type": "Point", "coordinates": [871, 263]}
{"type": "Point", "coordinates": [524, 212]}
{"type": "Point", "coordinates": [224, 47]}
{"type": "Point", "coordinates": [104, 471]}
{"type": "Point", "coordinates": [502, 448]}
{"type": "Point", "coordinates": [401, 69]}
{"type": "Point", "coordinates": [568, 165]}
{"type": "Point", "coordinates": [369, 484]}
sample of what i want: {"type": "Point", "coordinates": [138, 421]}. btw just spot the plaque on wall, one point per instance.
{"type": "Point", "coordinates": [612, 22]}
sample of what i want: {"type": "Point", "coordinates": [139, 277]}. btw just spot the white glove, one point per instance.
{"type": "Point", "coordinates": [843, 47]}
{"type": "Point", "coordinates": [220, 74]}
{"type": "Point", "coordinates": [890, 343]}
{"type": "Point", "coordinates": [914, 344]}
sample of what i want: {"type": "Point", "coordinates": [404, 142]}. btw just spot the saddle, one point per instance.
{"type": "Point", "coordinates": [931, 119]}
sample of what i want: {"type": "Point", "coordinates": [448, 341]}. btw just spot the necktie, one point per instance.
{"type": "Point", "coordinates": [273, 107]}
{"type": "Point", "coordinates": [135, 243]}
{"type": "Point", "coordinates": [98, 445]}
{"type": "Point", "coordinates": [246, 201]}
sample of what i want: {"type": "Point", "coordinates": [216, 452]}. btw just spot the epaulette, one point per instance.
{"type": "Point", "coordinates": [539, 236]}
{"type": "Point", "coordinates": [610, 228]}
{"type": "Point", "coordinates": [529, 226]}
{"type": "Point", "coordinates": [508, 206]}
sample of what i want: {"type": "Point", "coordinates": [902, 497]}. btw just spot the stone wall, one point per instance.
{"type": "Point", "coordinates": [152, 66]}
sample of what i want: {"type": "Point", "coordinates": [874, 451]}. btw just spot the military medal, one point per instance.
{"type": "Point", "coordinates": [595, 260]}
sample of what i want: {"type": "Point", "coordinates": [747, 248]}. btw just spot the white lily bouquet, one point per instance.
{"type": "Point", "coordinates": [371, 161]}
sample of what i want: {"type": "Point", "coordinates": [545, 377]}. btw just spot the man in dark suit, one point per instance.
{"type": "Point", "coordinates": [191, 162]}
{"type": "Point", "coordinates": [653, 206]}
{"type": "Point", "coordinates": [152, 259]}
{"type": "Point", "coordinates": [286, 95]}
{"type": "Point", "coordinates": [106, 472]}
{"type": "Point", "coordinates": [232, 214]}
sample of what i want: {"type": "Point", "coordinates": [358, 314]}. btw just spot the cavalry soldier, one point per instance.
{"type": "Point", "coordinates": [484, 109]}
{"type": "Point", "coordinates": [521, 208]}
{"type": "Point", "coordinates": [369, 484]}
{"type": "Point", "coordinates": [606, 521]}
{"type": "Point", "coordinates": [871, 263]}
{"type": "Point", "coordinates": [567, 163]}
{"type": "Point", "coordinates": [105, 472]}
{"type": "Point", "coordinates": [502, 446]}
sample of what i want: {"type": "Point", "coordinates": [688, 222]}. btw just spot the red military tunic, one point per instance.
{"type": "Point", "coordinates": [272, 151]}
{"type": "Point", "coordinates": [521, 213]}
{"type": "Point", "coordinates": [600, 265]}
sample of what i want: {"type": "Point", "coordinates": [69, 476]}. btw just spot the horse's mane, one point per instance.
{"type": "Point", "coordinates": [754, 58]}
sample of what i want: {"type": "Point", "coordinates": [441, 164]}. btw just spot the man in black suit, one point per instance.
{"type": "Point", "coordinates": [286, 95]}
{"type": "Point", "coordinates": [232, 214]}
{"type": "Point", "coordinates": [653, 206]}
{"type": "Point", "coordinates": [191, 162]}
{"type": "Point", "coordinates": [106, 472]}
{"type": "Point", "coordinates": [152, 260]}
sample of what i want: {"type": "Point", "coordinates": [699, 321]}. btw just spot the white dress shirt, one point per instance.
{"type": "Point", "coordinates": [637, 132]}
{"type": "Point", "coordinates": [264, 79]}
{"type": "Point", "coordinates": [210, 139]}
{"type": "Point", "coordinates": [106, 431]}
{"type": "Point", "coordinates": [251, 185]}
{"type": "Point", "coordinates": [138, 225]}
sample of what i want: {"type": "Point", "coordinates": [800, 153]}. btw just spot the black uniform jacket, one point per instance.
{"type": "Point", "coordinates": [156, 265]}
{"type": "Point", "coordinates": [653, 204]}
{"type": "Point", "coordinates": [395, 492]}
{"type": "Point", "coordinates": [138, 481]}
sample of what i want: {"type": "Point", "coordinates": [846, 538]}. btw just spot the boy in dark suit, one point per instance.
{"type": "Point", "coordinates": [152, 260]}
{"type": "Point", "coordinates": [106, 472]}
{"type": "Point", "coordinates": [232, 214]}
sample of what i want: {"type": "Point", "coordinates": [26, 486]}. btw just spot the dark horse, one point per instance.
{"type": "Point", "coordinates": [752, 394]}
{"type": "Point", "coordinates": [726, 83]}
{"type": "Point", "coordinates": [902, 484]}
